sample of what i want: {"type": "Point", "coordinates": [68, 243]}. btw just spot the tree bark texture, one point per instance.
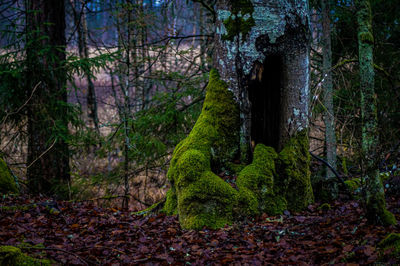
{"type": "Point", "coordinates": [376, 205]}
{"type": "Point", "coordinates": [48, 154]}
{"type": "Point", "coordinates": [262, 51]}
{"type": "Point", "coordinates": [329, 116]}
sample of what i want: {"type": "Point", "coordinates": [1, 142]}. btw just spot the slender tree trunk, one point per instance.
{"type": "Point", "coordinates": [127, 111]}
{"type": "Point", "coordinates": [202, 41]}
{"type": "Point", "coordinates": [82, 30]}
{"type": "Point", "coordinates": [84, 52]}
{"type": "Point", "coordinates": [48, 154]}
{"type": "Point", "coordinates": [149, 85]}
{"type": "Point", "coordinates": [376, 204]}
{"type": "Point", "coordinates": [329, 117]}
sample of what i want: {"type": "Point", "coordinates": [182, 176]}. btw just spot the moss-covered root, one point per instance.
{"type": "Point", "coordinates": [198, 196]}
{"type": "Point", "coordinates": [12, 256]}
{"type": "Point", "coordinates": [171, 203]}
{"type": "Point", "coordinates": [294, 172]}
{"type": "Point", "coordinates": [391, 241]}
{"type": "Point", "coordinates": [207, 202]}
{"type": "Point", "coordinates": [256, 184]}
{"type": "Point", "coordinates": [216, 132]}
{"type": "Point", "coordinates": [155, 208]}
{"type": "Point", "coordinates": [7, 183]}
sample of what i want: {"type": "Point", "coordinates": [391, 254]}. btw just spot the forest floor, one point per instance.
{"type": "Point", "coordinates": [81, 233]}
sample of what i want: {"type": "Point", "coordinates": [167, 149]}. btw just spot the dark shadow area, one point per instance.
{"type": "Point", "coordinates": [265, 98]}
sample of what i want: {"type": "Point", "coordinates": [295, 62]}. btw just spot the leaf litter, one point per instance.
{"type": "Point", "coordinates": [83, 234]}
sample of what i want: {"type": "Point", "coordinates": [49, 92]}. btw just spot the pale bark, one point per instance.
{"type": "Point", "coordinates": [376, 205]}
{"type": "Point", "coordinates": [329, 116]}
{"type": "Point", "coordinates": [82, 30]}
{"type": "Point", "coordinates": [279, 32]}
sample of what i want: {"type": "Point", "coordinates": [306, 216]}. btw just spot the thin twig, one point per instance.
{"type": "Point", "coordinates": [51, 146]}
{"type": "Point", "coordinates": [339, 177]}
{"type": "Point", "coordinates": [22, 106]}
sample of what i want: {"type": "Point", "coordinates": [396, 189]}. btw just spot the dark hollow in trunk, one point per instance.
{"type": "Point", "coordinates": [265, 99]}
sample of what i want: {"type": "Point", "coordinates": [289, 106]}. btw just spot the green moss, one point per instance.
{"type": "Point", "coordinates": [191, 165]}
{"type": "Point", "coordinates": [240, 21]}
{"type": "Point", "coordinates": [366, 37]}
{"type": "Point", "coordinates": [7, 183]}
{"type": "Point", "coordinates": [384, 176]}
{"type": "Point", "coordinates": [260, 172]}
{"type": "Point", "coordinates": [256, 183]}
{"type": "Point", "coordinates": [376, 203]}
{"type": "Point", "coordinates": [344, 166]}
{"type": "Point", "coordinates": [325, 207]}
{"type": "Point", "coordinates": [388, 218]}
{"type": "Point", "coordinates": [198, 196]}
{"type": "Point", "coordinates": [275, 204]}
{"type": "Point", "coordinates": [171, 203]}
{"type": "Point", "coordinates": [247, 203]}
{"type": "Point", "coordinates": [235, 168]}
{"type": "Point", "coordinates": [209, 201]}
{"type": "Point", "coordinates": [391, 241]}
{"type": "Point", "coordinates": [353, 184]}
{"type": "Point", "coordinates": [215, 133]}
{"type": "Point", "coordinates": [294, 172]}
{"type": "Point", "coordinates": [201, 198]}
{"type": "Point", "coordinates": [149, 210]}
{"type": "Point", "coordinates": [377, 212]}
{"type": "Point", "coordinates": [13, 256]}
{"type": "Point", "coordinates": [17, 207]}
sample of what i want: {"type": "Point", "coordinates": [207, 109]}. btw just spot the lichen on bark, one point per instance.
{"type": "Point", "coordinates": [240, 20]}
{"type": "Point", "coordinates": [376, 205]}
{"type": "Point", "coordinates": [281, 29]}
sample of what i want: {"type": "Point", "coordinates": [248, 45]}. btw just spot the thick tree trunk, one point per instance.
{"type": "Point", "coordinates": [376, 204]}
{"type": "Point", "coordinates": [48, 154]}
{"type": "Point", "coordinates": [262, 52]}
{"type": "Point", "coordinates": [262, 55]}
{"type": "Point", "coordinates": [329, 118]}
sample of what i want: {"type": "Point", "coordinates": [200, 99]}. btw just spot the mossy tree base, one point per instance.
{"type": "Point", "coordinates": [272, 183]}
{"type": "Point", "coordinates": [377, 212]}
{"type": "Point", "coordinates": [7, 183]}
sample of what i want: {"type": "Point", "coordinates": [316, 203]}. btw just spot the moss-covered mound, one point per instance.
{"type": "Point", "coordinates": [12, 256]}
{"type": "Point", "coordinates": [7, 183]}
{"type": "Point", "coordinates": [256, 184]}
{"type": "Point", "coordinates": [201, 198]}
{"type": "Point", "coordinates": [294, 173]}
